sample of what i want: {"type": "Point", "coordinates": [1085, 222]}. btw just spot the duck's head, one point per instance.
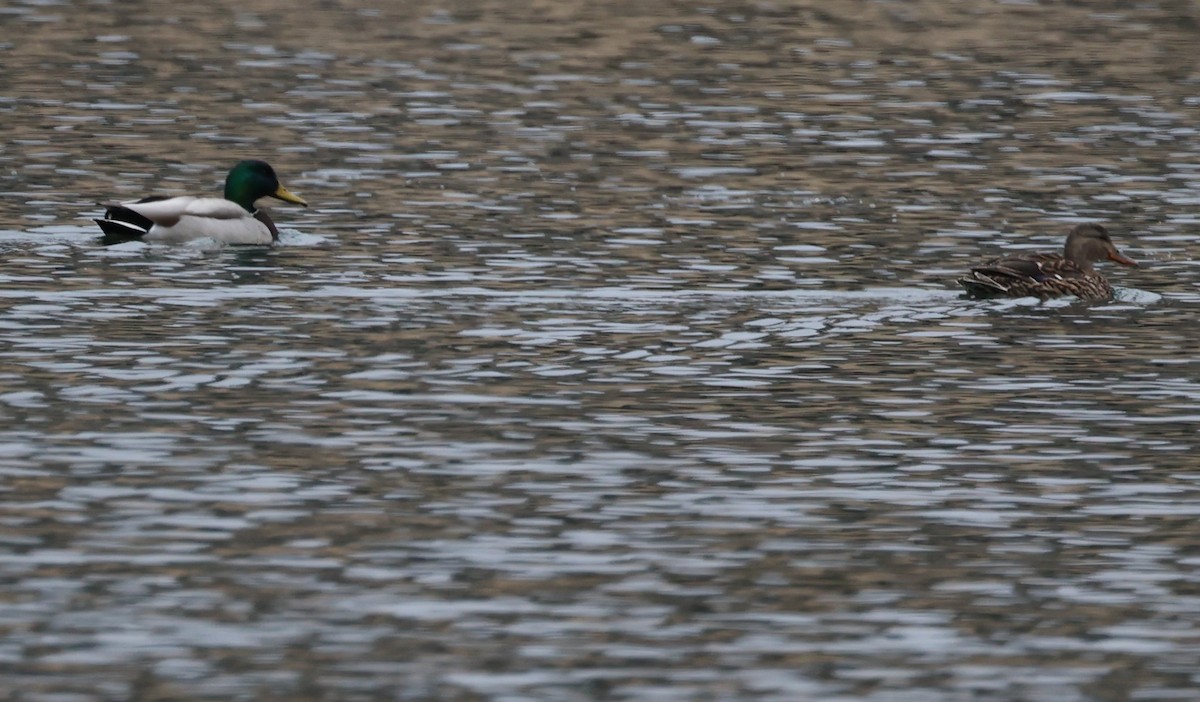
{"type": "Point", "coordinates": [1089, 243]}
{"type": "Point", "coordinates": [252, 179]}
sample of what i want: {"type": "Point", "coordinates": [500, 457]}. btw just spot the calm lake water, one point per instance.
{"type": "Point", "coordinates": [618, 356]}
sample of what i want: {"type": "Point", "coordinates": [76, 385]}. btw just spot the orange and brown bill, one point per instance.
{"type": "Point", "coordinates": [1114, 255]}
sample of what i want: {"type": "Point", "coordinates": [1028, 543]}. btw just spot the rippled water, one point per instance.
{"type": "Point", "coordinates": [618, 357]}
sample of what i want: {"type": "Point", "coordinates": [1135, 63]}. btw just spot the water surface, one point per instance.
{"type": "Point", "coordinates": [617, 358]}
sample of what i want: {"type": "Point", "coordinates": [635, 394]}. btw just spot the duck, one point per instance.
{"type": "Point", "coordinates": [230, 220]}
{"type": "Point", "coordinates": [1047, 275]}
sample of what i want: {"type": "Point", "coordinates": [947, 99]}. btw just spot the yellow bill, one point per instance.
{"type": "Point", "coordinates": [286, 195]}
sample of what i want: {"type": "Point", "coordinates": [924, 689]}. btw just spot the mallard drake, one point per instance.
{"type": "Point", "coordinates": [1047, 275]}
{"type": "Point", "coordinates": [232, 220]}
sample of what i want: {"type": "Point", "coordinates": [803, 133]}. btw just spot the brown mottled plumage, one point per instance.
{"type": "Point", "coordinates": [1047, 275]}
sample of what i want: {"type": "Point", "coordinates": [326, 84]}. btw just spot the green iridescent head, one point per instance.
{"type": "Point", "coordinates": [252, 179]}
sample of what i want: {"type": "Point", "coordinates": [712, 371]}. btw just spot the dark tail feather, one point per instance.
{"type": "Point", "coordinates": [116, 231]}
{"type": "Point", "coordinates": [981, 286]}
{"type": "Point", "coordinates": [122, 224]}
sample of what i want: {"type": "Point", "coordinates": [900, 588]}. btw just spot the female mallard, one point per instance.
{"type": "Point", "coordinates": [1047, 275]}
{"type": "Point", "coordinates": [232, 220]}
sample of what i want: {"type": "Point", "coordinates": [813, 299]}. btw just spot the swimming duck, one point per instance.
{"type": "Point", "coordinates": [232, 220]}
{"type": "Point", "coordinates": [1047, 275]}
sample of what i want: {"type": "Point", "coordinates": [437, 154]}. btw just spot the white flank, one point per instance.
{"type": "Point", "coordinates": [215, 207]}
{"type": "Point", "coordinates": [242, 231]}
{"type": "Point", "coordinates": [166, 211]}
{"type": "Point", "coordinates": [181, 219]}
{"type": "Point", "coordinates": [169, 210]}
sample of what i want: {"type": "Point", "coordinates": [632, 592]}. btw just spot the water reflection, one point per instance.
{"type": "Point", "coordinates": [618, 358]}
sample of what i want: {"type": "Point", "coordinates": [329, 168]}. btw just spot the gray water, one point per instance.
{"type": "Point", "coordinates": [618, 356]}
